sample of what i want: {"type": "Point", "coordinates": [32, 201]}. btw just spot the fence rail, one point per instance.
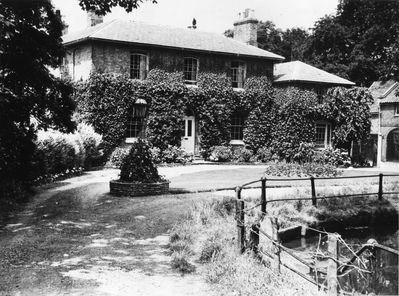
{"type": "Point", "coordinates": [335, 267]}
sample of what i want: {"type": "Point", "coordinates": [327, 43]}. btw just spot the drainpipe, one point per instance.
{"type": "Point", "coordinates": [379, 141]}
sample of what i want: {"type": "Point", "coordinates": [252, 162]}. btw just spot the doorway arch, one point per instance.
{"type": "Point", "coordinates": [393, 145]}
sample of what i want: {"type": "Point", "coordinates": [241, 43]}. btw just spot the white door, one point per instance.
{"type": "Point", "coordinates": [188, 141]}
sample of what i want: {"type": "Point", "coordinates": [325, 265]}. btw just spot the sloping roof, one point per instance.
{"type": "Point", "coordinates": [300, 72]}
{"type": "Point", "coordinates": [386, 91]}
{"type": "Point", "coordinates": [156, 35]}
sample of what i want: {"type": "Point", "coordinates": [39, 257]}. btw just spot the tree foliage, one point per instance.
{"type": "Point", "coordinates": [360, 42]}
{"type": "Point", "coordinates": [101, 7]}
{"type": "Point", "coordinates": [30, 96]}
{"type": "Point", "coordinates": [349, 111]}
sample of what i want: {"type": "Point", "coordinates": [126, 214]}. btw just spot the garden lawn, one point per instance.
{"type": "Point", "coordinates": [217, 177]}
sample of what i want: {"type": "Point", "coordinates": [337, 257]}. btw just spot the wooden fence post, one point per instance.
{"type": "Point", "coordinates": [263, 197]}
{"type": "Point", "coordinates": [254, 238]}
{"type": "Point", "coordinates": [314, 200]}
{"type": "Point", "coordinates": [332, 279]}
{"type": "Point", "coordinates": [275, 236]}
{"type": "Point", "coordinates": [240, 217]}
{"type": "Point", "coordinates": [380, 192]}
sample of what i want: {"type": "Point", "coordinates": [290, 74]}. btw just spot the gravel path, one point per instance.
{"type": "Point", "coordinates": [76, 239]}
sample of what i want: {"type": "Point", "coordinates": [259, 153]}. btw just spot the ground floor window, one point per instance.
{"type": "Point", "coordinates": [237, 127]}
{"type": "Point", "coordinates": [323, 135]}
{"type": "Point", "coordinates": [135, 124]}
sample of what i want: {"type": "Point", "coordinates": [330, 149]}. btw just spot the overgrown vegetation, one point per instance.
{"type": "Point", "coordinates": [208, 236]}
{"type": "Point", "coordinates": [277, 120]}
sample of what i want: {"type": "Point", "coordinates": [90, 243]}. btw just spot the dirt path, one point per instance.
{"type": "Point", "coordinates": [78, 240]}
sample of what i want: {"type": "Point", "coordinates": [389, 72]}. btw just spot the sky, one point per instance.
{"type": "Point", "coordinates": [211, 15]}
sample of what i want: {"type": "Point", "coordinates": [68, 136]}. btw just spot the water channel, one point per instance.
{"type": "Point", "coordinates": [383, 282]}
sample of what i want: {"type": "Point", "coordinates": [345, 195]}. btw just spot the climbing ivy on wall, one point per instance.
{"type": "Point", "coordinates": [104, 99]}
{"type": "Point", "coordinates": [280, 119]}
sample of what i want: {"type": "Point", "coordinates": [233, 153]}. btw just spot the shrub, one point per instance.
{"type": "Point", "coordinates": [242, 154]}
{"type": "Point", "coordinates": [301, 170]}
{"type": "Point", "coordinates": [156, 155]}
{"type": "Point", "coordinates": [220, 154]}
{"type": "Point", "coordinates": [173, 154]}
{"type": "Point", "coordinates": [138, 165]}
{"type": "Point", "coordinates": [264, 154]}
{"type": "Point", "coordinates": [335, 157]}
{"type": "Point", "coordinates": [57, 152]}
{"type": "Point", "coordinates": [91, 143]}
{"type": "Point", "coordinates": [118, 155]}
{"type": "Point", "coordinates": [305, 153]}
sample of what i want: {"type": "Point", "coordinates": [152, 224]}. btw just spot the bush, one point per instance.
{"type": "Point", "coordinates": [118, 155]}
{"type": "Point", "coordinates": [91, 143]}
{"type": "Point", "coordinates": [335, 157]}
{"type": "Point", "coordinates": [59, 155]}
{"type": "Point", "coordinates": [57, 152]}
{"type": "Point", "coordinates": [174, 154]}
{"type": "Point", "coordinates": [138, 165]}
{"type": "Point", "coordinates": [301, 170]}
{"type": "Point", "coordinates": [264, 154]}
{"type": "Point", "coordinates": [242, 154]}
{"type": "Point", "coordinates": [220, 154]}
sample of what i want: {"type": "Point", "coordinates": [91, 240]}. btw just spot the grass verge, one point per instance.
{"type": "Point", "coordinates": [206, 239]}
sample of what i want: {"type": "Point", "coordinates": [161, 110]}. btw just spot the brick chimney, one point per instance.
{"type": "Point", "coordinates": [245, 28]}
{"type": "Point", "coordinates": [64, 24]}
{"type": "Point", "coordinates": [93, 19]}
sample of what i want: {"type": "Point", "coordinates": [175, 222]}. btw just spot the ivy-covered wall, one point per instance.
{"type": "Point", "coordinates": [280, 119]}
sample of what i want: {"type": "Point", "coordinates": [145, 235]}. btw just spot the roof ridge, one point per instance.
{"type": "Point", "coordinates": [103, 27]}
{"type": "Point", "coordinates": [390, 89]}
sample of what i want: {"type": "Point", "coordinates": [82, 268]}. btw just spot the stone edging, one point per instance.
{"type": "Point", "coordinates": [120, 188]}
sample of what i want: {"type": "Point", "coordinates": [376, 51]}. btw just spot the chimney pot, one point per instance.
{"type": "Point", "coordinates": [93, 19]}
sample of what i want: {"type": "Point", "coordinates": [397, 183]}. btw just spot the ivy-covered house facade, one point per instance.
{"type": "Point", "coordinates": [133, 49]}
{"type": "Point", "coordinates": [307, 77]}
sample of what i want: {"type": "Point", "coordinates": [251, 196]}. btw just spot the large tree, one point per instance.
{"type": "Point", "coordinates": [30, 96]}
{"type": "Point", "coordinates": [360, 42]}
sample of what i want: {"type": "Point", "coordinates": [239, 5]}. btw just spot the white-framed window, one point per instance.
{"type": "Point", "coordinates": [323, 135]}
{"type": "Point", "coordinates": [135, 124]}
{"type": "Point", "coordinates": [237, 127]}
{"type": "Point", "coordinates": [238, 72]}
{"type": "Point", "coordinates": [138, 66]}
{"type": "Point", "coordinates": [190, 70]}
{"type": "Point", "coordinates": [396, 110]}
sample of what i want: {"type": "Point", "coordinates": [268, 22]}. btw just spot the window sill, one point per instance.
{"type": "Point", "coordinates": [238, 89]}
{"type": "Point", "coordinates": [237, 143]}
{"type": "Point", "coordinates": [191, 86]}
{"type": "Point", "coordinates": [131, 140]}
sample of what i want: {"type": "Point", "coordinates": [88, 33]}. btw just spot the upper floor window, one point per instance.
{"type": "Point", "coordinates": [237, 127]}
{"type": "Point", "coordinates": [396, 110]}
{"type": "Point", "coordinates": [238, 70]}
{"type": "Point", "coordinates": [321, 92]}
{"type": "Point", "coordinates": [323, 135]}
{"type": "Point", "coordinates": [138, 66]}
{"type": "Point", "coordinates": [190, 70]}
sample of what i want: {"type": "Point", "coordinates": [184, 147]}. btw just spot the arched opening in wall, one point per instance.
{"type": "Point", "coordinates": [393, 146]}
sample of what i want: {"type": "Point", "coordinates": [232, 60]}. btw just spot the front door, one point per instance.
{"type": "Point", "coordinates": [188, 141]}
